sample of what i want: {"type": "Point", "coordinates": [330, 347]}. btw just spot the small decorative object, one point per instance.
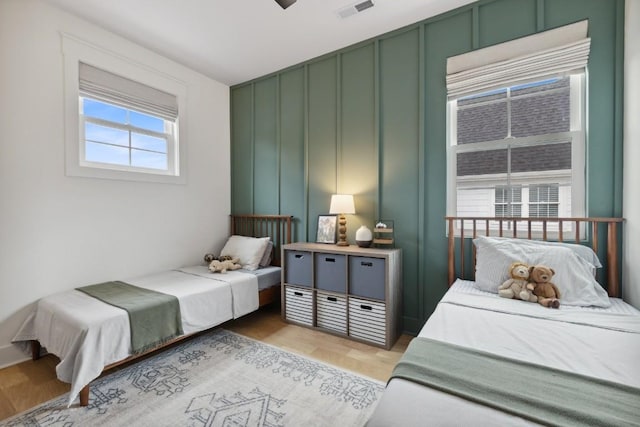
{"type": "Point", "coordinates": [547, 292]}
{"type": "Point", "coordinates": [209, 257]}
{"type": "Point", "coordinates": [516, 286]}
{"type": "Point", "coordinates": [364, 237]}
{"type": "Point", "coordinates": [383, 233]}
{"type": "Point", "coordinates": [326, 229]}
{"type": "Point", "coordinates": [222, 266]}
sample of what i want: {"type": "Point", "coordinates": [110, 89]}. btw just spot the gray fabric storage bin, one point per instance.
{"type": "Point", "coordinates": [298, 268]}
{"type": "Point", "coordinates": [331, 272]}
{"type": "Point", "coordinates": [366, 277]}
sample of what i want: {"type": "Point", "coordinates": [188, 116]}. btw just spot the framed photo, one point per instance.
{"type": "Point", "coordinates": [327, 229]}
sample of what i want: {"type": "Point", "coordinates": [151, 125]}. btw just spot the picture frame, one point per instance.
{"type": "Point", "coordinates": [327, 226]}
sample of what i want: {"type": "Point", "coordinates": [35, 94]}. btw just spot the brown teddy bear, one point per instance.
{"type": "Point", "coordinates": [540, 283]}
{"type": "Point", "coordinates": [222, 266]}
{"type": "Point", "coordinates": [516, 286]}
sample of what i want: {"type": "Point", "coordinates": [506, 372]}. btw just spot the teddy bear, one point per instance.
{"type": "Point", "coordinates": [516, 286]}
{"type": "Point", "coordinates": [540, 283]}
{"type": "Point", "coordinates": [222, 266]}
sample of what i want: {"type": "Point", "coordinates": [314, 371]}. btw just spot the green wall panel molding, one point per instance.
{"type": "Point", "coordinates": [242, 150]}
{"type": "Point", "coordinates": [292, 150]}
{"type": "Point", "coordinates": [322, 139]}
{"type": "Point", "coordinates": [266, 147]}
{"type": "Point", "coordinates": [370, 120]}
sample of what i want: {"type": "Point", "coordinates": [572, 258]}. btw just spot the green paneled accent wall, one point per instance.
{"type": "Point", "coordinates": [292, 149]}
{"type": "Point", "coordinates": [265, 166]}
{"type": "Point", "coordinates": [358, 146]}
{"type": "Point", "coordinates": [370, 120]}
{"type": "Point", "coordinates": [322, 141]}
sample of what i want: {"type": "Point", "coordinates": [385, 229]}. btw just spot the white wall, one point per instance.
{"type": "Point", "coordinates": [631, 195]}
{"type": "Point", "coordinates": [59, 232]}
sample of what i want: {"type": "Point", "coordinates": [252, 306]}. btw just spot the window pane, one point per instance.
{"type": "Point", "coordinates": [147, 142]}
{"type": "Point", "coordinates": [148, 159]}
{"type": "Point", "coordinates": [104, 111]}
{"type": "Point", "coordinates": [97, 133]}
{"type": "Point", "coordinates": [102, 153]}
{"type": "Point", "coordinates": [539, 109]}
{"type": "Point", "coordinates": [482, 162]}
{"type": "Point", "coordinates": [487, 122]}
{"type": "Point", "coordinates": [541, 158]}
{"type": "Point", "coordinates": [145, 121]}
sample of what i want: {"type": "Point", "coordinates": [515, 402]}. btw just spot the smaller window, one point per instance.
{"type": "Point", "coordinates": [123, 137]}
{"type": "Point", "coordinates": [544, 201]}
{"type": "Point", "coordinates": [508, 201]}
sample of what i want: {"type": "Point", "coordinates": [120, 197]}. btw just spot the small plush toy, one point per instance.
{"type": "Point", "coordinates": [516, 286]}
{"type": "Point", "coordinates": [209, 257]}
{"type": "Point", "coordinates": [540, 282]}
{"type": "Point", "coordinates": [223, 266]}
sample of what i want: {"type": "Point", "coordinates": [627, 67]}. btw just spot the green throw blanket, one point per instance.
{"type": "Point", "coordinates": [543, 395]}
{"type": "Point", "coordinates": [154, 317]}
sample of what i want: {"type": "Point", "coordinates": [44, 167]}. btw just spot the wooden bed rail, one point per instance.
{"type": "Point", "coordinates": [571, 230]}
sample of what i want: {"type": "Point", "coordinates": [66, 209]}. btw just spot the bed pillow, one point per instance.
{"type": "Point", "coordinates": [582, 251]}
{"type": "Point", "coordinates": [249, 250]}
{"type": "Point", "coordinates": [267, 257]}
{"type": "Point", "coordinates": [574, 274]}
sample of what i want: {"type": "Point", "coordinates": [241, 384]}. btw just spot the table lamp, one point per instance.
{"type": "Point", "coordinates": [342, 204]}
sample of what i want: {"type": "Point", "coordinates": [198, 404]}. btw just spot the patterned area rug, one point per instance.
{"type": "Point", "coordinates": [218, 379]}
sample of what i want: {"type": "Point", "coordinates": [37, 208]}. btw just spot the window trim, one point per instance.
{"type": "Point", "coordinates": [75, 51]}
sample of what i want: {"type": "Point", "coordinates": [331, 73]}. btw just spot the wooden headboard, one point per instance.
{"type": "Point", "coordinates": [587, 231]}
{"type": "Point", "coordinates": [277, 227]}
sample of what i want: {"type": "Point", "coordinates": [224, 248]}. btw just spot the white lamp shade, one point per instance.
{"type": "Point", "coordinates": [342, 204]}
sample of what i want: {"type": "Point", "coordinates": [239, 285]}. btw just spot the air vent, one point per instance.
{"type": "Point", "coordinates": [351, 10]}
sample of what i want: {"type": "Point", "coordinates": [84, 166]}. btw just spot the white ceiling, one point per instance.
{"type": "Point", "coordinates": [233, 41]}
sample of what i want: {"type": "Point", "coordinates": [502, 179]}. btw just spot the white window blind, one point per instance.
{"type": "Point", "coordinates": [105, 86]}
{"type": "Point", "coordinates": [561, 51]}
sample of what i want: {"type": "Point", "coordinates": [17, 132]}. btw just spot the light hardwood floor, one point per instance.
{"type": "Point", "coordinates": [30, 383]}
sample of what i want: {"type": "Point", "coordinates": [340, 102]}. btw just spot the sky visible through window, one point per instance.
{"type": "Point", "coordinates": [123, 137]}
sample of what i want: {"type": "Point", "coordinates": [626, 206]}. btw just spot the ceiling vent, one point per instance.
{"type": "Point", "coordinates": [354, 8]}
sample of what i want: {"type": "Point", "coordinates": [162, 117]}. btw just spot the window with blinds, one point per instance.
{"type": "Point", "coordinates": [125, 125]}
{"type": "Point", "coordinates": [516, 127]}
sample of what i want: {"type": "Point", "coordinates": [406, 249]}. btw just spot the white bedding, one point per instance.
{"type": "Point", "coordinates": [88, 334]}
{"type": "Point", "coordinates": [603, 343]}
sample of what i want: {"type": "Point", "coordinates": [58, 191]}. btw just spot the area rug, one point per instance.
{"type": "Point", "coordinates": [218, 379]}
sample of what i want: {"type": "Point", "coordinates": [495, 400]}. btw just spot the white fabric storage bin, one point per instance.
{"type": "Point", "coordinates": [331, 312]}
{"type": "Point", "coordinates": [367, 320]}
{"type": "Point", "coordinates": [299, 305]}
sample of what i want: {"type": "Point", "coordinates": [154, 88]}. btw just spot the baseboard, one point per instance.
{"type": "Point", "coordinates": [11, 354]}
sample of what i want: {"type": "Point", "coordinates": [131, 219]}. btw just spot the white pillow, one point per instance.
{"type": "Point", "coordinates": [267, 257]}
{"type": "Point", "coordinates": [573, 276]}
{"type": "Point", "coordinates": [250, 250]}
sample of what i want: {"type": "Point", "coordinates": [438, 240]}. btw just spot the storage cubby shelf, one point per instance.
{"type": "Point", "coordinates": [345, 290]}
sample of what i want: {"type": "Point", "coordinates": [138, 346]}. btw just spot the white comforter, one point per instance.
{"type": "Point", "coordinates": [603, 343]}
{"type": "Point", "coordinates": [88, 334]}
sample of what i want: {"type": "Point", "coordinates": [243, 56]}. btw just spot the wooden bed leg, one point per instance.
{"type": "Point", "coordinates": [84, 396]}
{"type": "Point", "coordinates": [35, 349]}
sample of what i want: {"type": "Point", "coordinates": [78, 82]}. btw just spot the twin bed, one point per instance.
{"type": "Point", "coordinates": [485, 360]}
{"type": "Point", "coordinates": [89, 335]}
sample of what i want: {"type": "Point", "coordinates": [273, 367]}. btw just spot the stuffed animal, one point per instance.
{"type": "Point", "coordinates": [209, 257]}
{"type": "Point", "coordinates": [516, 286]}
{"type": "Point", "coordinates": [223, 266]}
{"type": "Point", "coordinates": [540, 283]}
